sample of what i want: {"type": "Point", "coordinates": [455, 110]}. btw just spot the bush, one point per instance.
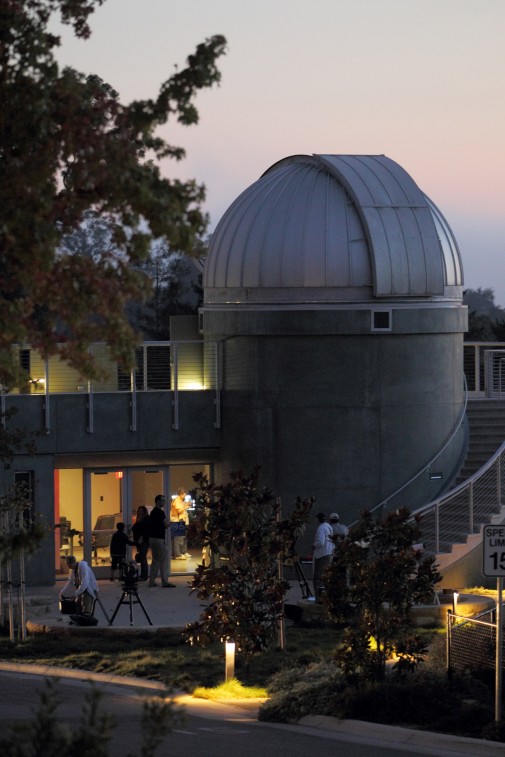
{"type": "Point", "coordinates": [460, 705]}
{"type": "Point", "coordinates": [302, 691]}
{"type": "Point", "coordinates": [424, 700]}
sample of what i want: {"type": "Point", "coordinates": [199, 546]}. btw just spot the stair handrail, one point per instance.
{"type": "Point", "coordinates": [449, 496]}
{"type": "Point", "coordinates": [428, 465]}
{"type": "Point", "coordinates": [468, 519]}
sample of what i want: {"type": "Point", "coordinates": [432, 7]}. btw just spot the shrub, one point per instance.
{"type": "Point", "coordinates": [302, 691]}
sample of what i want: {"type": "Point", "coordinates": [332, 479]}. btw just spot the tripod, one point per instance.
{"type": "Point", "coordinates": [300, 575]}
{"type": "Point", "coordinates": [127, 598]}
{"type": "Point", "coordinates": [304, 584]}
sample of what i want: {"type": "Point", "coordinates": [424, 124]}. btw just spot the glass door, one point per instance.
{"type": "Point", "coordinates": [106, 509]}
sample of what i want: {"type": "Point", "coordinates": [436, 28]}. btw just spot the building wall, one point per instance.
{"type": "Point", "coordinates": [68, 443]}
{"type": "Point", "coordinates": [345, 417]}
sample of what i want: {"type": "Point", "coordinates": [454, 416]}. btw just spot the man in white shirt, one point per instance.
{"type": "Point", "coordinates": [323, 551]}
{"type": "Point", "coordinates": [81, 585]}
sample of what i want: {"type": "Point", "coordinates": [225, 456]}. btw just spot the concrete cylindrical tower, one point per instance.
{"type": "Point", "coordinates": [335, 287]}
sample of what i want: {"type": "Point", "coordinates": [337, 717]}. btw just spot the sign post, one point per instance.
{"type": "Point", "coordinates": [493, 542]}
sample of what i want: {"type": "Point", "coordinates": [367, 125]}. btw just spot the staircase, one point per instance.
{"type": "Point", "coordinates": [451, 525]}
{"type": "Point", "coordinates": [486, 420]}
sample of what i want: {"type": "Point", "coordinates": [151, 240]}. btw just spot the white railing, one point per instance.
{"type": "Point", "coordinates": [171, 367]}
{"type": "Point", "coordinates": [484, 366]}
{"type": "Point", "coordinates": [159, 366]}
{"type": "Point", "coordinates": [463, 511]}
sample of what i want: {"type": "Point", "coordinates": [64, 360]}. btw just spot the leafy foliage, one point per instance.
{"type": "Point", "coordinates": [374, 580]}
{"type": "Point", "coordinates": [68, 146]}
{"type": "Point", "coordinates": [241, 528]}
{"type": "Point", "coordinates": [305, 690]}
{"type": "Point", "coordinates": [431, 701]}
{"type": "Point", "coordinates": [486, 320]}
{"type": "Point", "coordinates": [176, 290]}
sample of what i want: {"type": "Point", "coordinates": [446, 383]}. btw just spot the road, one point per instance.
{"type": "Point", "coordinates": [209, 729]}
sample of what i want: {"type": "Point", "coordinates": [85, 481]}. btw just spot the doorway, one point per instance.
{"type": "Point", "coordinates": [90, 502]}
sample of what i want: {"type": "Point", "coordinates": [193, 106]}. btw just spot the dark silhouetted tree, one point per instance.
{"type": "Point", "coordinates": [68, 147]}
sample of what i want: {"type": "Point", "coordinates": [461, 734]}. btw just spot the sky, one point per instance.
{"type": "Point", "coordinates": [421, 81]}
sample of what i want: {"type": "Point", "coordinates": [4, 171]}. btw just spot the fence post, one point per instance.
{"type": "Point", "coordinates": [217, 359]}
{"type": "Point", "coordinates": [175, 401]}
{"type": "Point", "coordinates": [133, 399]}
{"type": "Point", "coordinates": [498, 480]}
{"type": "Point", "coordinates": [437, 527]}
{"type": "Point", "coordinates": [448, 643]}
{"type": "Point", "coordinates": [499, 643]}
{"type": "Point", "coordinates": [470, 507]}
{"type": "Point", "coordinates": [90, 407]}
{"type": "Point", "coordinates": [46, 399]}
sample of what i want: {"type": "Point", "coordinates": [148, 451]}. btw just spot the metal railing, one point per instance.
{"type": "Point", "coordinates": [454, 516]}
{"type": "Point", "coordinates": [484, 366]}
{"type": "Point", "coordinates": [171, 367]}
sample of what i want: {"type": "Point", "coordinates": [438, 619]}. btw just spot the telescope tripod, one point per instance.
{"type": "Point", "coordinates": [130, 596]}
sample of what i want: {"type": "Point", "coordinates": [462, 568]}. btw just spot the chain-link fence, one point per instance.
{"type": "Point", "coordinates": [471, 643]}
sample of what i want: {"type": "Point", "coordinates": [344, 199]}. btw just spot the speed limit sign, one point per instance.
{"type": "Point", "coordinates": [493, 542]}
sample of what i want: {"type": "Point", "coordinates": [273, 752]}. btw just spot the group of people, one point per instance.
{"type": "Point", "coordinates": [328, 535]}
{"type": "Point", "coordinates": [148, 532]}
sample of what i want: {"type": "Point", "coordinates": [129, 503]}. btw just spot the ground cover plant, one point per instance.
{"type": "Point", "coordinates": [163, 655]}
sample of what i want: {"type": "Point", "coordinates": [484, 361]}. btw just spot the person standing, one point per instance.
{"type": "Point", "coordinates": [178, 515]}
{"type": "Point", "coordinates": [118, 545]}
{"type": "Point", "coordinates": [140, 533]}
{"type": "Point", "coordinates": [158, 525]}
{"type": "Point", "coordinates": [323, 551]}
{"type": "Point", "coordinates": [339, 530]}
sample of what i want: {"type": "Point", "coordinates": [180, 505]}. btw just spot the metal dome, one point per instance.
{"type": "Point", "coordinates": [328, 229]}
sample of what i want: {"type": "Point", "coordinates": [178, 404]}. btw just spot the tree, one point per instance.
{"type": "Point", "coordinates": [68, 147]}
{"type": "Point", "coordinates": [245, 537]}
{"type": "Point", "coordinates": [375, 578]}
{"type": "Point", "coordinates": [176, 290]}
{"type": "Point", "coordinates": [485, 319]}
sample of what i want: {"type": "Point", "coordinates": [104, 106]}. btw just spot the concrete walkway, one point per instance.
{"type": "Point", "coordinates": [164, 607]}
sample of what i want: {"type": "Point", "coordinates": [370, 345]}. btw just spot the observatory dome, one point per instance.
{"type": "Point", "coordinates": [331, 229]}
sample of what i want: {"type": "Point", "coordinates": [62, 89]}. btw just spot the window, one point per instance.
{"type": "Point", "coordinates": [382, 320]}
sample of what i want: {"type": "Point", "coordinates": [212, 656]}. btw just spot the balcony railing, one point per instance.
{"type": "Point", "coordinates": [172, 367]}
{"type": "Point", "coordinates": [484, 365]}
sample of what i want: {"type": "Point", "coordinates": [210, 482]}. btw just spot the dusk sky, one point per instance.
{"type": "Point", "coordinates": [421, 81]}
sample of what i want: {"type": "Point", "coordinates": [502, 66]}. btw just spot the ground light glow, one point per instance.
{"type": "Point", "coordinates": [229, 690]}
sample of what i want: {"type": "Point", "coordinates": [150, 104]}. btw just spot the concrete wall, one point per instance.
{"type": "Point", "coordinates": [345, 417]}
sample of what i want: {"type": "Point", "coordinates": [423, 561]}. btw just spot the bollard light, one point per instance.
{"type": "Point", "coordinates": [455, 602]}
{"type": "Point", "coordinates": [229, 659]}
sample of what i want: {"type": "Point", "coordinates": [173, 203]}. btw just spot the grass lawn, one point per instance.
{"type": "Point", "coordinates": [164, 657]}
